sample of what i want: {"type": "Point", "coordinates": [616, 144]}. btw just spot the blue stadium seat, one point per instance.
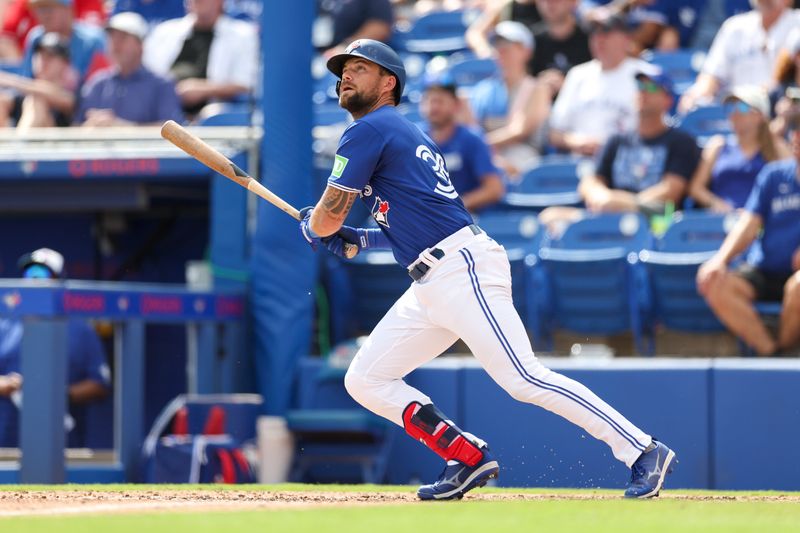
{"type": "Point", "coordinates": [669, 295]}
{"type": "Point", "coordinates": [436, 32]}
{"type": "Point", "coordinates": [328, 114]}
{"type": "Point", "coordinates": [584, 280]}
{"type": "Point", "coordinates": [551, 182]}
{"type": "Point", "coordinates": [514, 230]}
{"type": "Point", "coordinates": [229, 114]}
{"type": "Point", "coordinates": [681, 65]}
{"type": "Point", "coordinates": [375, 281]}
{"type": "Point", "coordinates": [468, 72]}
{"type": "Point", "coordinates": [704, 122]}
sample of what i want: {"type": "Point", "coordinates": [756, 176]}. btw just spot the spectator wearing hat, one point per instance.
{"type": "Point", "coordinates": [769, 230]}
{"type": "Point", "coordinates": [729, 166]}
{"type": "Point", "coordinates": [468, 158]}
{"type": "Point", "coordinates": [86, 43]}
{"type": "Point", "coordinates": [48, 99]}
{"type": "Point", "coordinates": [127, 93]}
{"type": "Point", "coordinates": [18, 20]}
{"type": "Point", "coordinates": [598, 98]}
{"type": "Point", "coordinates": [512, 106]}
{"type": "Point", "coordinates": [643, 170]}
{"type": "Point", "coordinates": [88, 375]}
{"type": "Point", "coordinates": [744, 52]}
{"type": "Point", "coordinates": [211, 56]}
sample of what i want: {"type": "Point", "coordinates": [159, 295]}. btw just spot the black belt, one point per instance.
{"type": "Point", "coordinates": [420, 268]}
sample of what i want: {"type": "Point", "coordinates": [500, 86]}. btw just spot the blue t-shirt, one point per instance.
{"type": "Point", "coordinates": [776, 199]}
{"type": "Point", "coordinates": [683, 15]}
{"type": "Point", "coordinates": [142, 97]}
{"type": "Point", "coordinates": [402, 177]}
{"type": "Point", "coordinates": [734, 174]}
{"type": "Point", "coordinates": [86, 360]}
{"type": "Point", "coordinates": [87, 47]}
{"type": "Point", "coordinates": [632, 163]}
{"type": "Point", "coordinates": [467, 158]}
{"type": "Point", "coordinates": [347, 16]}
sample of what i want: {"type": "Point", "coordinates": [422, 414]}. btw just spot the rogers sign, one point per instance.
{"type": "Point", "coordinates": [161, 305]}
{"type": "Point", "coordinates": [84, 303]}
{"type": "Point", "coordinates": [80, 168]}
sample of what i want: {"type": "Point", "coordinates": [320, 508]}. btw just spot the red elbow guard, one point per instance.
{"type": "Point", "coordinates": [428, 425]}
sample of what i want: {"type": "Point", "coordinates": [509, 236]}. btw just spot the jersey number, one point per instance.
{"type": "Point", "coordinates": [436, 162]}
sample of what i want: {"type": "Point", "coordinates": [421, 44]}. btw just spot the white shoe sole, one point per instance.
{"type": "Point", "coordinates": [491, 465]}
{"type": "Point", "coordinates": [664, 472]}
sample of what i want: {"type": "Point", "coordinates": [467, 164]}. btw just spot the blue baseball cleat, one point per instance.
{"type": "Point", "coordinates": [457, 479]}
{"type": "Point", "coordinates": [649, 471]}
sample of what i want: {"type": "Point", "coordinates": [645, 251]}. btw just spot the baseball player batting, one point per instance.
{"type": "Point", "coordinates": [461, 288]}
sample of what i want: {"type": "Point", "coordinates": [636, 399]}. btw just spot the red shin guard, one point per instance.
{"type": "Point", "coordinates": [428, 425]}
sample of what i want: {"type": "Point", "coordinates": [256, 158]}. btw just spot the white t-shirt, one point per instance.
{"type": "Point", "coordinates": [595, 102]}
{"type": "Point", "coordinates": [743, 53]}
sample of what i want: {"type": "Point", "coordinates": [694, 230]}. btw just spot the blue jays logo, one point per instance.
{"type": "Point", "coordinates": [353, 46]}
{"type": "Point", "coordinates": [380, 212]}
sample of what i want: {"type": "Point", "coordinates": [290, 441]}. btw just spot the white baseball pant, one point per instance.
{"type": "Point", "coordinates": [467, 294]}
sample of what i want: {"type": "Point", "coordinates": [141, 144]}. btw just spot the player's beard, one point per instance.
{"type": "Point", "coordinates": [358, 102]}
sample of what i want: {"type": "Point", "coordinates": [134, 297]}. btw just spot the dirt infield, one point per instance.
{"type": "Point", "coordinates": [69, 502]}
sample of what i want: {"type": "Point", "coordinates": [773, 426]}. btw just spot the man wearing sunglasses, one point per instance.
{"type": "Point", "coordinates": [88, 375]}
{"type": "Point", "coordinates": [770, 222]}
{"type": "Point", "coordinates": [642, 170]}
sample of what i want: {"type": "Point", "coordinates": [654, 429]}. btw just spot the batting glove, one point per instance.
{"type": "Point", "coordinates": [305, 228]}
{"type": "Point", "coordinates": [365, 239]}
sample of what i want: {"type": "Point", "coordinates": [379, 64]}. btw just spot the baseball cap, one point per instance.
{"type": "Point", "coordinates": [514, 32]}
{"type": "Point", "coordinates": [752, 95]}
{"type": "Point", "coordinates": [657, 75]}
{"type": "Point", "coordinates": [53, 43]}
{"type": "Point", "coordinates": [46, 257]}
{"type": "Point", "coordinates": [130, 23]}
{"type": "Point", "coordinates": [441, 80]}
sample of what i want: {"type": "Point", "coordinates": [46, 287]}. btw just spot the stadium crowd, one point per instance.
{"type": "Point", "coordinates": [616, 82]}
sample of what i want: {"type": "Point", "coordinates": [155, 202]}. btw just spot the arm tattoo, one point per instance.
{"type": "Point", "coordinates": [337, 202]}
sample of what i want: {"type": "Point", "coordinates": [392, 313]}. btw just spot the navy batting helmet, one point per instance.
{"type": "Point", "coordinates": [378, 53]}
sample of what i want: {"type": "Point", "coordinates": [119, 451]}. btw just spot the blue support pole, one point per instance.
{"type": "Point", "coordinates": [44, 397]}
{"type": "Point", "coordinates": [207, 370]}
{"type": "Point", "coordinates": [128, 399]}
{"type": "Point", "coordinates": [283, 267]}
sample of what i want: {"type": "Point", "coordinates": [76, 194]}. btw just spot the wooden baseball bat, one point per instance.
{"type": "Point", "coordinates": [213, 159]}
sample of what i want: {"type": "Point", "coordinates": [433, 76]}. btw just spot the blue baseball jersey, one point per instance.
{"type": "Point", "coordinates": [86, 360]}
{"type": "Point", "coordinates": [402, 177]}
{"type": "Point", "coordinates": [776, 199]}
{"type": "Point", "coordinates": [468, 159]}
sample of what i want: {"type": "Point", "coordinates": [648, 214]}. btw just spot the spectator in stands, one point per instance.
{"type": "Point", "coordinates": [340, 22]}
{"type": "Point", "coordinates": [48, 99]}
{"type": "Point", "coordinates": [481, 30]}
{"type": "Point", "coordinates": [598, 98]}
{"type": "Point", "coordinates": [743, 52]}
{"type": "Point", "coordinates": [638, 171]}
{"type": "Point", "coordinates": [211, 56]}
{"type": "Point", "coordinates": [18, 20]}
{"type": "Point", "coordinates": [728, 167]}
{"type": "Point", "coordinates": [785, 96]}
{"type": "Point", "coordinates": [153, 11]}
{"type": "Point", "coordinates": [88, 375]}
{"type": "Point", "coordinates": [511, 107]}
{"type": "Point", "coordinates": [107, 97]}
{"type": "Point", "coordinates": [468, 159]}
{"type": "Point", "coordinates": [560, 43]}
{"type": "Point", "coordinates": [86, 43]}
{"type": "Point", "coordinates": [771, 223]}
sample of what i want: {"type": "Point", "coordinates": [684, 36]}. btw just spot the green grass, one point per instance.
{"type": "Point", "coordinates": [612, 515]}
